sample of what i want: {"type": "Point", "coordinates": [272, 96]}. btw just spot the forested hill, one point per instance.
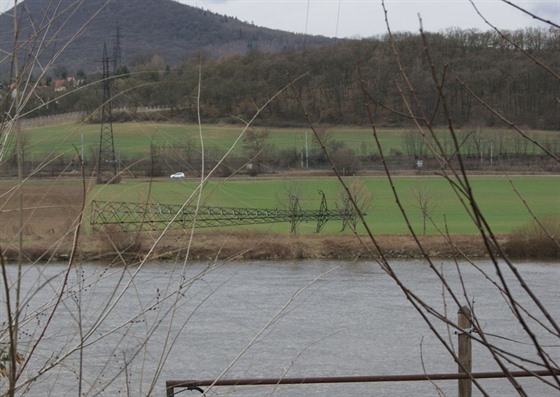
{"type": "Point", "coordinates": [524, 88]}
{"type": "Point", "coordinates": [171, 30]}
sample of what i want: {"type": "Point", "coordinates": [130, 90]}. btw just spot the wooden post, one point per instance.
{"type": "Point", "coordinates": [465, 351]}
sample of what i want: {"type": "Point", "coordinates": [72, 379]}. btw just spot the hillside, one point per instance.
{"type": "Point", "coordinates": [160, 41]}
{"type": "Point", "coordinates": [167, 28]}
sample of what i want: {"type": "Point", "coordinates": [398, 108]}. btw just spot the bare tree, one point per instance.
{"type": "Point", "coordinates": [346, 161]}
{"type": "Point", "coordinates": [425, 200]}
{"type": "Point", "coordinates": [413, 145]}
{"type": "Point", "coordinates": [362, 197]}
{"type": "Point", "coordinates": [255, 146]}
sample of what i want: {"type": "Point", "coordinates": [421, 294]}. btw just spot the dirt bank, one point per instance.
{"type": "Point", "coordinates": [214, 245]}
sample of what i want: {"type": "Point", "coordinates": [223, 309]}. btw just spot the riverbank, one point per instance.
{"type": "Point", "coordinates": [115, 246]}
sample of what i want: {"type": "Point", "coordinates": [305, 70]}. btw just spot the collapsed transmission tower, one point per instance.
{"type": "Point", "coordinates": [106, 162]}
{"type": "Point", "coordinates": [153, 216]}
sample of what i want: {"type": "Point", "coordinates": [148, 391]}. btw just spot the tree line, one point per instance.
{"type": "Point", "coordinates": [324, 82]}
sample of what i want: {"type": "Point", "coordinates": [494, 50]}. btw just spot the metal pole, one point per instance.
{"type": "Point", "coordinates": [306, 152]}
{"type": "Point", "coordinates": [192, 384]}
{"type": "Point", "coordinates": [465, 350]}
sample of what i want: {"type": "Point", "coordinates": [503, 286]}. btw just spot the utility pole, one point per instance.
{"type": "Point", "coordinates": [106, 162]}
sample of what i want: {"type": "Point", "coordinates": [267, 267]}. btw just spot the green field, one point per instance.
{"type": "Point", "coordinates": [501, 206]}
{"type": "Point", "coordinates": [134, 139]}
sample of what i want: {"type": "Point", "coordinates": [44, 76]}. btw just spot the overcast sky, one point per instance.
{"type": "Point", "coordinates": [364, 18]}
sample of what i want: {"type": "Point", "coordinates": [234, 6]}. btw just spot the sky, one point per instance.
{"type": "Point", "coordinates": [365, 18]}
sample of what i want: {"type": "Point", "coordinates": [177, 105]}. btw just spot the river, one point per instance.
{"type": "Point", "coordinates": [142, 325]}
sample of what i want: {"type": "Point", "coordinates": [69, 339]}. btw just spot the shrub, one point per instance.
{"type": "Point", "coordinates": [122, 242]}
{"type": "Point", "coordinates": [531, 241]}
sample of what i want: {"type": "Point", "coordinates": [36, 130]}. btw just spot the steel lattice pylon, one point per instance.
{"type": "Point", "coordinates": [106, 162]}
{"type": "Point", "coordinates": [153, 216]}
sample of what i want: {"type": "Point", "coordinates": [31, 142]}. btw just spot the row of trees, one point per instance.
{"type": "Point", "coordinates": [490, 152]}
{"type": "Point", "coordinates": [328, 82]}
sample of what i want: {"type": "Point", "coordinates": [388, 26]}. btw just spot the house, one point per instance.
{"type": "Point", "coordinates": [60, 85]}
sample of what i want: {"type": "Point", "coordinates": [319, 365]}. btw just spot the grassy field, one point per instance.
{"type": "Point", "coordinates": [496, 196]}
{"type": "Point", "coordinates": [502, 207]}
{"type": "Point", "coordinates": [52, 209]}
{"type": "Point", "coordinates": [134, 139]}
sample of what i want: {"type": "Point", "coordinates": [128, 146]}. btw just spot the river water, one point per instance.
{"type": "Point", "coordinates": [142, 325]}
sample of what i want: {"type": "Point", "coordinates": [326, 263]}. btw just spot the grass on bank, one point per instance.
{"type": "Point", "coordinates": [504, 210]}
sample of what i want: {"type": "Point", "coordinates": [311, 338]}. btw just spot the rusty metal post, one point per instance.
{"type": "Point", "coordinates": [465, 350]}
